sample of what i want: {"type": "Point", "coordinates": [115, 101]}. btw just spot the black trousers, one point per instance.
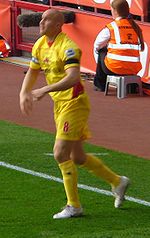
{"type": "Point", "coordinates": [101, 70]}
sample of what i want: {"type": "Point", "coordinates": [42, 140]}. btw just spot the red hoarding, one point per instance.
{"type": "Point", "coordinates": [5, 25]}
{"type": "Point", "coordinates": [136, 6]}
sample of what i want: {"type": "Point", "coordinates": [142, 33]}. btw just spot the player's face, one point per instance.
{"type": "Point", "coordinates": [48, 25]}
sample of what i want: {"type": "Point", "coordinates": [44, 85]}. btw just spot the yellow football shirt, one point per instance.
{"type": "Point", "coordinates": [54, 60]}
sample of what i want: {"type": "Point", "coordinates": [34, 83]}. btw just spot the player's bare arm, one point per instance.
{"type": "Point", "coordinates": [25, 93]}
{"type": "Point", "coordinates": [72, 77]}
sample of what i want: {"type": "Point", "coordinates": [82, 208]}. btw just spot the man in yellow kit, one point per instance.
{"type": "Point", "coordinates": [59, 57]}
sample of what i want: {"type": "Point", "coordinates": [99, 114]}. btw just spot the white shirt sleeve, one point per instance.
{"type": "Point", "coordinates": [101, 39]}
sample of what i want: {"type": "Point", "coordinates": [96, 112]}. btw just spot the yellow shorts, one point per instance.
{"type": "Point", "coordinates": [71, 118]}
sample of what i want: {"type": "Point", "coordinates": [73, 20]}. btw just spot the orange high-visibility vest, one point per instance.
{"type": "Point", "coordinates": [123, 56]}
{"type": "Point", "coordinates": [4, 48]}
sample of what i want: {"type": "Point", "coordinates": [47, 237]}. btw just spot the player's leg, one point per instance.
{"type": "Point", "coordinates": [62, 150]}
{"type": "Point", "coordinates": [95, 165]}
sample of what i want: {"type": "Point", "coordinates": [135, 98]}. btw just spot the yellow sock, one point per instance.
{"type": "Point", "coordinates": [69, 173]}
{"type": "Point", "coordinates": [97, 167]}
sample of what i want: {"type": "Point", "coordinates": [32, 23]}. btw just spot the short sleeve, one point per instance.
{"type": "Point", "coordinates": [71, 57]}
{"type": "Point", "coordinates": [34, 63]}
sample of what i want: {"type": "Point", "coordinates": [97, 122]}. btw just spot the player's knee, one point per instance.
{"type": "Point", "coordinates": [60, 153]}
{"type": "Point", "coordinates": [57, 153]}
{"type": "Point", "coordinates": [78, 159]}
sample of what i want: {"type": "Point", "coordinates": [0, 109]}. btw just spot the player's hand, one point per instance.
{"type": "Point", "coordinates": [26, 102]}
{"type": "Point", "coordinates": [38, 94]}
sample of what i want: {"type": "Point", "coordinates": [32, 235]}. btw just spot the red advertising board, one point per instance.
{"type": "Point", "coordinates": [136, 6]}
{"type": "Point", "coordinates": [5, 26]}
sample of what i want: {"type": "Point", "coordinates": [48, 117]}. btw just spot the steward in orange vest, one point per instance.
{"type": "Point", "coordinates": [4, 48]}
{"type": "Point", "coordinates": [118, 46]}
{"type": "Point", "coordinates": [123, 56]}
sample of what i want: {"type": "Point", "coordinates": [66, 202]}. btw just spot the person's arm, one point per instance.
{"type": "Point", "coordinates": [25, 92]}
{"type": "Point", "coordinates": [72, 77]}
{"type": "Point", "coordinates": [102, 39]}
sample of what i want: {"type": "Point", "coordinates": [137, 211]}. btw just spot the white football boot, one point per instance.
{"type": "Point", "coordinates": [119, 191]}
{"type": "Point", "coordinates": [68, 212]}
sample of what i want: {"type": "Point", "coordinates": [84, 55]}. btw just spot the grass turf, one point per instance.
{"type": "Point", "coordinates": [27, 203]}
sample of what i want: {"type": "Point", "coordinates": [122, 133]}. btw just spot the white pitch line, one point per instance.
{"type": "Point", "coordinates": [82, 186]}
{"type": "Point", "coordinates": [98, 153]}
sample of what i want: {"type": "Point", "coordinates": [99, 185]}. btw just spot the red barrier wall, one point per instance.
{"type": "Point", "coordinates": [5, 20]}
{"type": "Point", "coordinates": [137, 7]}
{"type": "Point", "coordinates": [84, 30]}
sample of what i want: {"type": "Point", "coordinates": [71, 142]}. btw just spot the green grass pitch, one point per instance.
{"type": "Point", "coordinates": [28, 202]}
